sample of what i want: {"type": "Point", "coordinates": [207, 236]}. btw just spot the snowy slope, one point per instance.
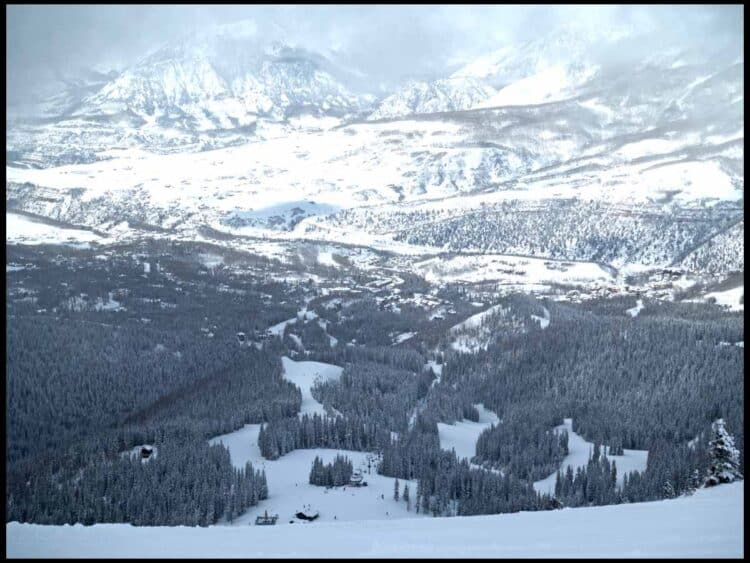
{"type": "Point", "coordinates": [550, 85]}
{"type": "Point", "coordinates": [222, 78]}
{"type": "Point", "coordinates": [304, 375]}
{"type": "Point", "coordinates": [24, 230]}
{"type": "Point", "coordinates": [730, 298]}
{"type": "Point", "coordinates": [707, 524]}
{"type": "Point", "coordinates": [462, 436]}
{"type": "Point", "coordinates": [289, 489]}
{"type": "Point", "coordinates": [579, 452]}
{"type": "Point", "coordinates": [450, 94]}
{"type": "Point", "coordinates": [637, 164]}
{"type": "Point", "coordinates": [574, 43]}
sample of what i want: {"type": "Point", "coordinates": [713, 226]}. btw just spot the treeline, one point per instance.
{"type": "Point", "coordinates": [531, 454]}
{"type": "Point", "coordinates": [400, 358]}
{"type": "Point", "coordinates": [594, 484]}
{"type": "Point", "coordinates": [284, 435]}
{"type": "Point", "coordinates": [185, 484]}
{"type": "Point", "coordinates": [382, 395]}
{"type": "Point", "coordinates": [333, 474]}
{"type": "Point", "coordinates": [449, 487]}
{"type": "Point", "coordinates": [71, 379]}
{"type": "Point", "coordinates": [368, 324]}
{"type": "Point", "coordinates": [625, 382]}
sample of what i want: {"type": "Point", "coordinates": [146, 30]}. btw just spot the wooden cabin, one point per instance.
{"type": "Point", "coordinates": [357, 480]}
{"type": "Point", "coordinates": [307, 513]}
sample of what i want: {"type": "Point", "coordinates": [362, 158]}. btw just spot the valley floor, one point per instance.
{"type": "Point", "coordinates": [707, 524]}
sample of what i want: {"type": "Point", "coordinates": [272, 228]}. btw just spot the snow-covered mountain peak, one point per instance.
{"type": "Point", "coordinates": [449, 94]}
{"type": "Point", "coordinates": [224, 78]}
{"type": "Point", "coordinates": [574, 44]}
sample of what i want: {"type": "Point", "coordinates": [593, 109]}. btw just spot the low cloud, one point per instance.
{"type": "Point", "coordinates": [388, 43]}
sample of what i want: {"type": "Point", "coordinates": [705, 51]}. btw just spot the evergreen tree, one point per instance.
{"type": "Point", "coordinates": [725, 457]}
{"type": "Point", "coordinates": [395, 490]}
{"type": "Point", "coordinates": [668, 490]}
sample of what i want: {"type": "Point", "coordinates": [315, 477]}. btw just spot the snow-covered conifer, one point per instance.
{"type": "Point", "coordinates": [725, 457]}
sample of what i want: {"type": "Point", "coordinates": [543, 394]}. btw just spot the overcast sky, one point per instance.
{"type": "Point", "coordinates": [387, 42]}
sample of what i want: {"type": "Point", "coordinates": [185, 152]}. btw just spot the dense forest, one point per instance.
{"type": "Point", "coordinates": [106, 355]}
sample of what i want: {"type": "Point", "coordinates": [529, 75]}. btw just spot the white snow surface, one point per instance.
{"type": "Point", "coordinates": [549, 85]}
{"type": "Point", "coordinates": [462, 436]}
{"type": "Point", "coordinates": [543, 321]}
{"type": "Point", "coordinates": [289, 489]}
{"type": "Point", "coordinates": [707, 524]}
{"type": "Point", "coordinates": [476, 321]}
{"type": "Point", "coordinates": [633, 312]}
{"type": "Point", "coordinates": [404, 336]}
{"type": "Point", "coordinates": [512, 271]}
{"type": "Point", "coordinates": [24, 230]}
{"type": "Point", "coordinates": [304, 375]}
{"type": "Point", "coordinates": [579, 451]}
{"type": "Point", "coordinates": [302, 315]}
{"type": "Point", "coordinates": [729, 298]}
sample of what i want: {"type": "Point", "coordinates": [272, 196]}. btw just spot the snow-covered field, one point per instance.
{"type": "Point", "coordinates": [462, 436]}
{"type": "Point", "coordinates": [289, 489]}
{"type": "Point", "coordinates": [514, 271]}
{"type": "Point", "coordinates": [288, 476]}
{"type": "Point", "coordinates": [729, 298]}
{"type": "Point", "coordinates": [24, 230]}
{"type": "Point", "coordinates": [476, 321]}
{"type": "Point", "coordinates": [707, 524]}
{"type": "Point", "coordinates": [304, 375]}
{"type": "Point", "coordinates": [579, 451]}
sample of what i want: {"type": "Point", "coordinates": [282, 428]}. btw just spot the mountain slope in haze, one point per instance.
{"type": "Point", "coordinates": [584, 154]}
{"type": "Point", "coordinates": [223, 79]}
{"type": "Point", "coordinates": [450, 94]}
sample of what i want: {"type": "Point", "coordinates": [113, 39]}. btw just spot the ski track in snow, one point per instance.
{"type": "Point", "coordinates": [707, 524]}
{"type": "Point", "coordinates": [579, 451]}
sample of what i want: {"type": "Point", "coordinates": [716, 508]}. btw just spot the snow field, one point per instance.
{"type": "Point", "coordinates": [462, 436]}
{"type": "Point", "coordinates": [548, 85]}
{"type": "Point", "coordinates": [729, 298]}
{"type": "Point", "coordinates": [289, 489]}
{"type": "Point", "coordinates": [707, 524]}
{"type": "Point", "coordinates": [24, 230]}
{"type": "Point", "coordinates": [515, 271]}
{"type": "Point", "coordinates": [304, 375]}
{"type": "Point", "coordinates": [579, 451]}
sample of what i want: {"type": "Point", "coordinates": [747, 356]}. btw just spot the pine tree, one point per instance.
{"type": "Point", "coordinates": [725, 457]}
{"type": "Point", "coordinates": [407, 500]}
{"type": "Point", "coordinates": [668, 490]}
{"type": "Point", "coordinates": [395, 490]}
{"type": "Point", "coordinates": [695, 481]}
